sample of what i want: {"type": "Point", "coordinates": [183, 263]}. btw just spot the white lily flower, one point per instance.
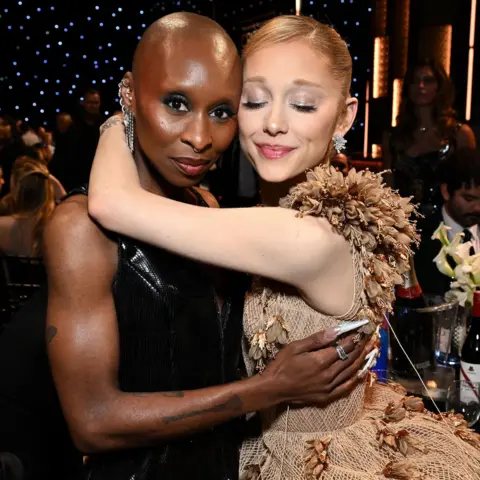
{"type": "Point", "coordinates": [475, 264]}
{"type": "Point", "coordinates": [459, 251]}
{"type": "Point", "coordinates": [442, 263]}
{"type": "Point", "coordinates": [463, 277]}
{"type": "Point", "coordinates": [441, 234]}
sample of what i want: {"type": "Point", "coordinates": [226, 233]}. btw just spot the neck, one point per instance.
{"type": "Point", "coordinates": [424, 116]}
{"type": "Point", "coordinates": [452, 215]}
{"type": "Point", "coordinates": [152, 181]}
{"type": "Point", "coordinates": [271, 193]}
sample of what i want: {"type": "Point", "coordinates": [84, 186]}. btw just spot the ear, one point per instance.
{"type": "Point", "coordinates": [127, 92]}
{"type": "Point", "coordinates": [347, 117]}
{"type": "Point", "coordinates": [444, 191]}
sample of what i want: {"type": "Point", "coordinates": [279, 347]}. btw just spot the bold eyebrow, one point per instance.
{"type": "Point", "coordinates": [299, 82]}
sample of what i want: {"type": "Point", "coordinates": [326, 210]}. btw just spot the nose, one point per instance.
{"type": "Point", "coordinates": [198, 133]}
{"type": "Point", "coordinates": [275, 122]}
{"type": "Point", "coordinates": [476, 208]}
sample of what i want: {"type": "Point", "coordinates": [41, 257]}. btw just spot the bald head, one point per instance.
{"type": "Point", "coordinates": [178, 31]}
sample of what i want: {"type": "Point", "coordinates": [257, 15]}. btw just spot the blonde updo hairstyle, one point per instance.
{"type": "Point", "coordinates": [322, 38]}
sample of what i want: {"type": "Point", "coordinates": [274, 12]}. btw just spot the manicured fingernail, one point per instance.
{"type": "Point", "coordinates": [331, 334]}
{"type": "Point", "coordinates": [362, 374]}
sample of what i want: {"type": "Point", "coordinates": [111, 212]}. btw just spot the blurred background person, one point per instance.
{"type": "Point", "coordinates": [459, 178]}
{"type": "Point", "coordinates": [31, 202]}
{"type": "Point", "coordinates": [427, 133]}
{"type": "Point", "coordinates": [11, 146]}
{"type": "Point", "coordinates": [76, 141]}
{"type": "Point", "coordinates": [340, 162]}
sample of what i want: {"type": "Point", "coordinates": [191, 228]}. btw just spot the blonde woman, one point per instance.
{"type": "Point", "coordinates": [332, 253]}
{"type": "Point", "coordinates": [30, 203]}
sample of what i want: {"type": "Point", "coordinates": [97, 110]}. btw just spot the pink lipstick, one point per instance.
{"type": "Point", "coordinates": [274, 152]}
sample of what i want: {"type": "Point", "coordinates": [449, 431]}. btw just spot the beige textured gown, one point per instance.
{"type": "Point", "coordinates": [376, 432]}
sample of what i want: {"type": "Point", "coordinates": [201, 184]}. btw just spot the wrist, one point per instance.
{"type": "Point", "coordinates": [266, 391]}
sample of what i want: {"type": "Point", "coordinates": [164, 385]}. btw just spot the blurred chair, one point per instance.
{"type": "Point", "coordinates": [10, 467]}
{"type": "Point", "coordinates": [20, 277]}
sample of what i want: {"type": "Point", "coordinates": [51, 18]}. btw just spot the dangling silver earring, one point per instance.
{"type": "Point", "coordinates": [339, 143]}
{"type": "Point", "coordinates": [128, 118]}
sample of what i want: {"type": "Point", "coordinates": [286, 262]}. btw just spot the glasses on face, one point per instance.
{"type": "Point", "coordinates": [425, 79]}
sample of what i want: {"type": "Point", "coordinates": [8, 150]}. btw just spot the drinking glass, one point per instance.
{"type": "Point", "coordinates": [465, 402]}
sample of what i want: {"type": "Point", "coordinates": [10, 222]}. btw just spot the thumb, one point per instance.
{"type": "Point", "coordinates": [316, 341]}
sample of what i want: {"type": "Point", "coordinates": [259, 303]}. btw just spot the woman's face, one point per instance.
{"type": "Point", "coordinates": [289, 110]}
{"type": "Point", "coordinates": [424, 87]}
{"type": "Point", "coordinates": [185, 105]}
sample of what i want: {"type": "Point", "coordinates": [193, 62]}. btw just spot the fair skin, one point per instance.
{"type": "Point", "coordinates": [422, 93]}
{"type": "Point", "coordinates": [299, 109]}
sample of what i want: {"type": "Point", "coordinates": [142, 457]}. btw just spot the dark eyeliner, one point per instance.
{"type": "Point", "coordinates": [225, 108]}
{"type": "Point", "coordinates": [175, 97]}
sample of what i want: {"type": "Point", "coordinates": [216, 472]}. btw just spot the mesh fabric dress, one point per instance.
{"type": "Point", "coordinates": [376, 432]}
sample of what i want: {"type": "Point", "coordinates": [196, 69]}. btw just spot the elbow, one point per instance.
{"type": "Point", "coordinates": [92, 437]}
{"type": "Point", "coordinates": [101, 208]}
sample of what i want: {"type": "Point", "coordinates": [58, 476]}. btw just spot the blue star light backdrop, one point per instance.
{"type": "Point", "coordinates": [53, 51]}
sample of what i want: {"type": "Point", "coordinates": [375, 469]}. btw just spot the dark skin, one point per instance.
{"type": "Point", "coordinates": [81, 260]}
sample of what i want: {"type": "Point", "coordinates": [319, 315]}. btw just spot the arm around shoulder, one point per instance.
{"type": "Point", "coordinates": [82, 336]}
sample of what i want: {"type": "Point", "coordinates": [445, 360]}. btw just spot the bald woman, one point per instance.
{"type": "Point", "coordinates": [144, 345]}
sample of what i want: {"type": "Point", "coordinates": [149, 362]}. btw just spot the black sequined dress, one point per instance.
{"type": "Point", "coordinates": [173, 336]}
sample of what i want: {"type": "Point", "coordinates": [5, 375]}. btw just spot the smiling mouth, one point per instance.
{"type": "Point", "coordinates": [274, 152]}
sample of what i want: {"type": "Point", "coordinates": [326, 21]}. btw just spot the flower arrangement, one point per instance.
{"type": "Point", "coordinates": [463, 267]}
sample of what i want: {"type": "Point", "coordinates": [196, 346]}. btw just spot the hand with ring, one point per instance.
{"type": "Point", "coordinates": [316, 371]}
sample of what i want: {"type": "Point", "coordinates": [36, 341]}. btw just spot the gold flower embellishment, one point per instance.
{"type": "Point", "coordinates": [265, 344]}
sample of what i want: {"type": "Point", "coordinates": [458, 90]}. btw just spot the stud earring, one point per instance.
{"type": "Point", "coordinates": [128, 117]}
{"type": "Point", "coordinates": [339, 143]}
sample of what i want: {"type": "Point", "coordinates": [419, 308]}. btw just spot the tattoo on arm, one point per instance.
{"type": "Point", "coordinates": [163, 394]}
{"type": "Point", "coordinates": [235, 404]}
{"type": "Point", "coordinates": [50, 333]}
{"type": "Point", "coordinates": [115, 120]}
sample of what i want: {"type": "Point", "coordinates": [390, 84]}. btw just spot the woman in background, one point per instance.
{"type": "Point", "coordinates": [427, 132]}
{"type": "Point", "coordinates": [30, 203]}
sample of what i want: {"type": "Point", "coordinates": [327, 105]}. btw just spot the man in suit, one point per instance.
{"type": "Point", "coordinates": [460, 188]}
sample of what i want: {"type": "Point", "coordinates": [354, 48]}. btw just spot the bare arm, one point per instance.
{"type": "Point", "coordinates": [465, 137]}
{"type": "Point", "coordinates": [271, 242]}
{"type": "Point", "coordinates": [84, 353]}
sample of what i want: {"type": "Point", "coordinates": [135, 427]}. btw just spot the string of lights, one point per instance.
{"type": "Point", "coordinates": [55, 51]}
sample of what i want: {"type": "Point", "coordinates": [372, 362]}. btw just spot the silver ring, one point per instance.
{"type": "Point", "coordinates": [341, 352]}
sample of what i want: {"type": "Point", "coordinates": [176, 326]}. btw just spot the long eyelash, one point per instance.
{"type": "Point", "coordinates": [177, 98]}
{"type": "Point", "coordinates": [252, 105]}
{"type": "Point", "coordinates": [225, 108]}
{"type": "Point", "coordinates": [305, 108]}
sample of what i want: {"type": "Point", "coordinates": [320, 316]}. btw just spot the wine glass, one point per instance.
{"type": "Point", "coordinates": [464, 398]}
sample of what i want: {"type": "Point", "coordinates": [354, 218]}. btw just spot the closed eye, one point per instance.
{"type": "Point", "coordinates": [304, 108]}
{"type": "Point", "coordinates": [253, 105]}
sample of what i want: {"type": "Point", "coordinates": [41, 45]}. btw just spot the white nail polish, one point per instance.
{"type": "Point", "coordinates": [349, 326]}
